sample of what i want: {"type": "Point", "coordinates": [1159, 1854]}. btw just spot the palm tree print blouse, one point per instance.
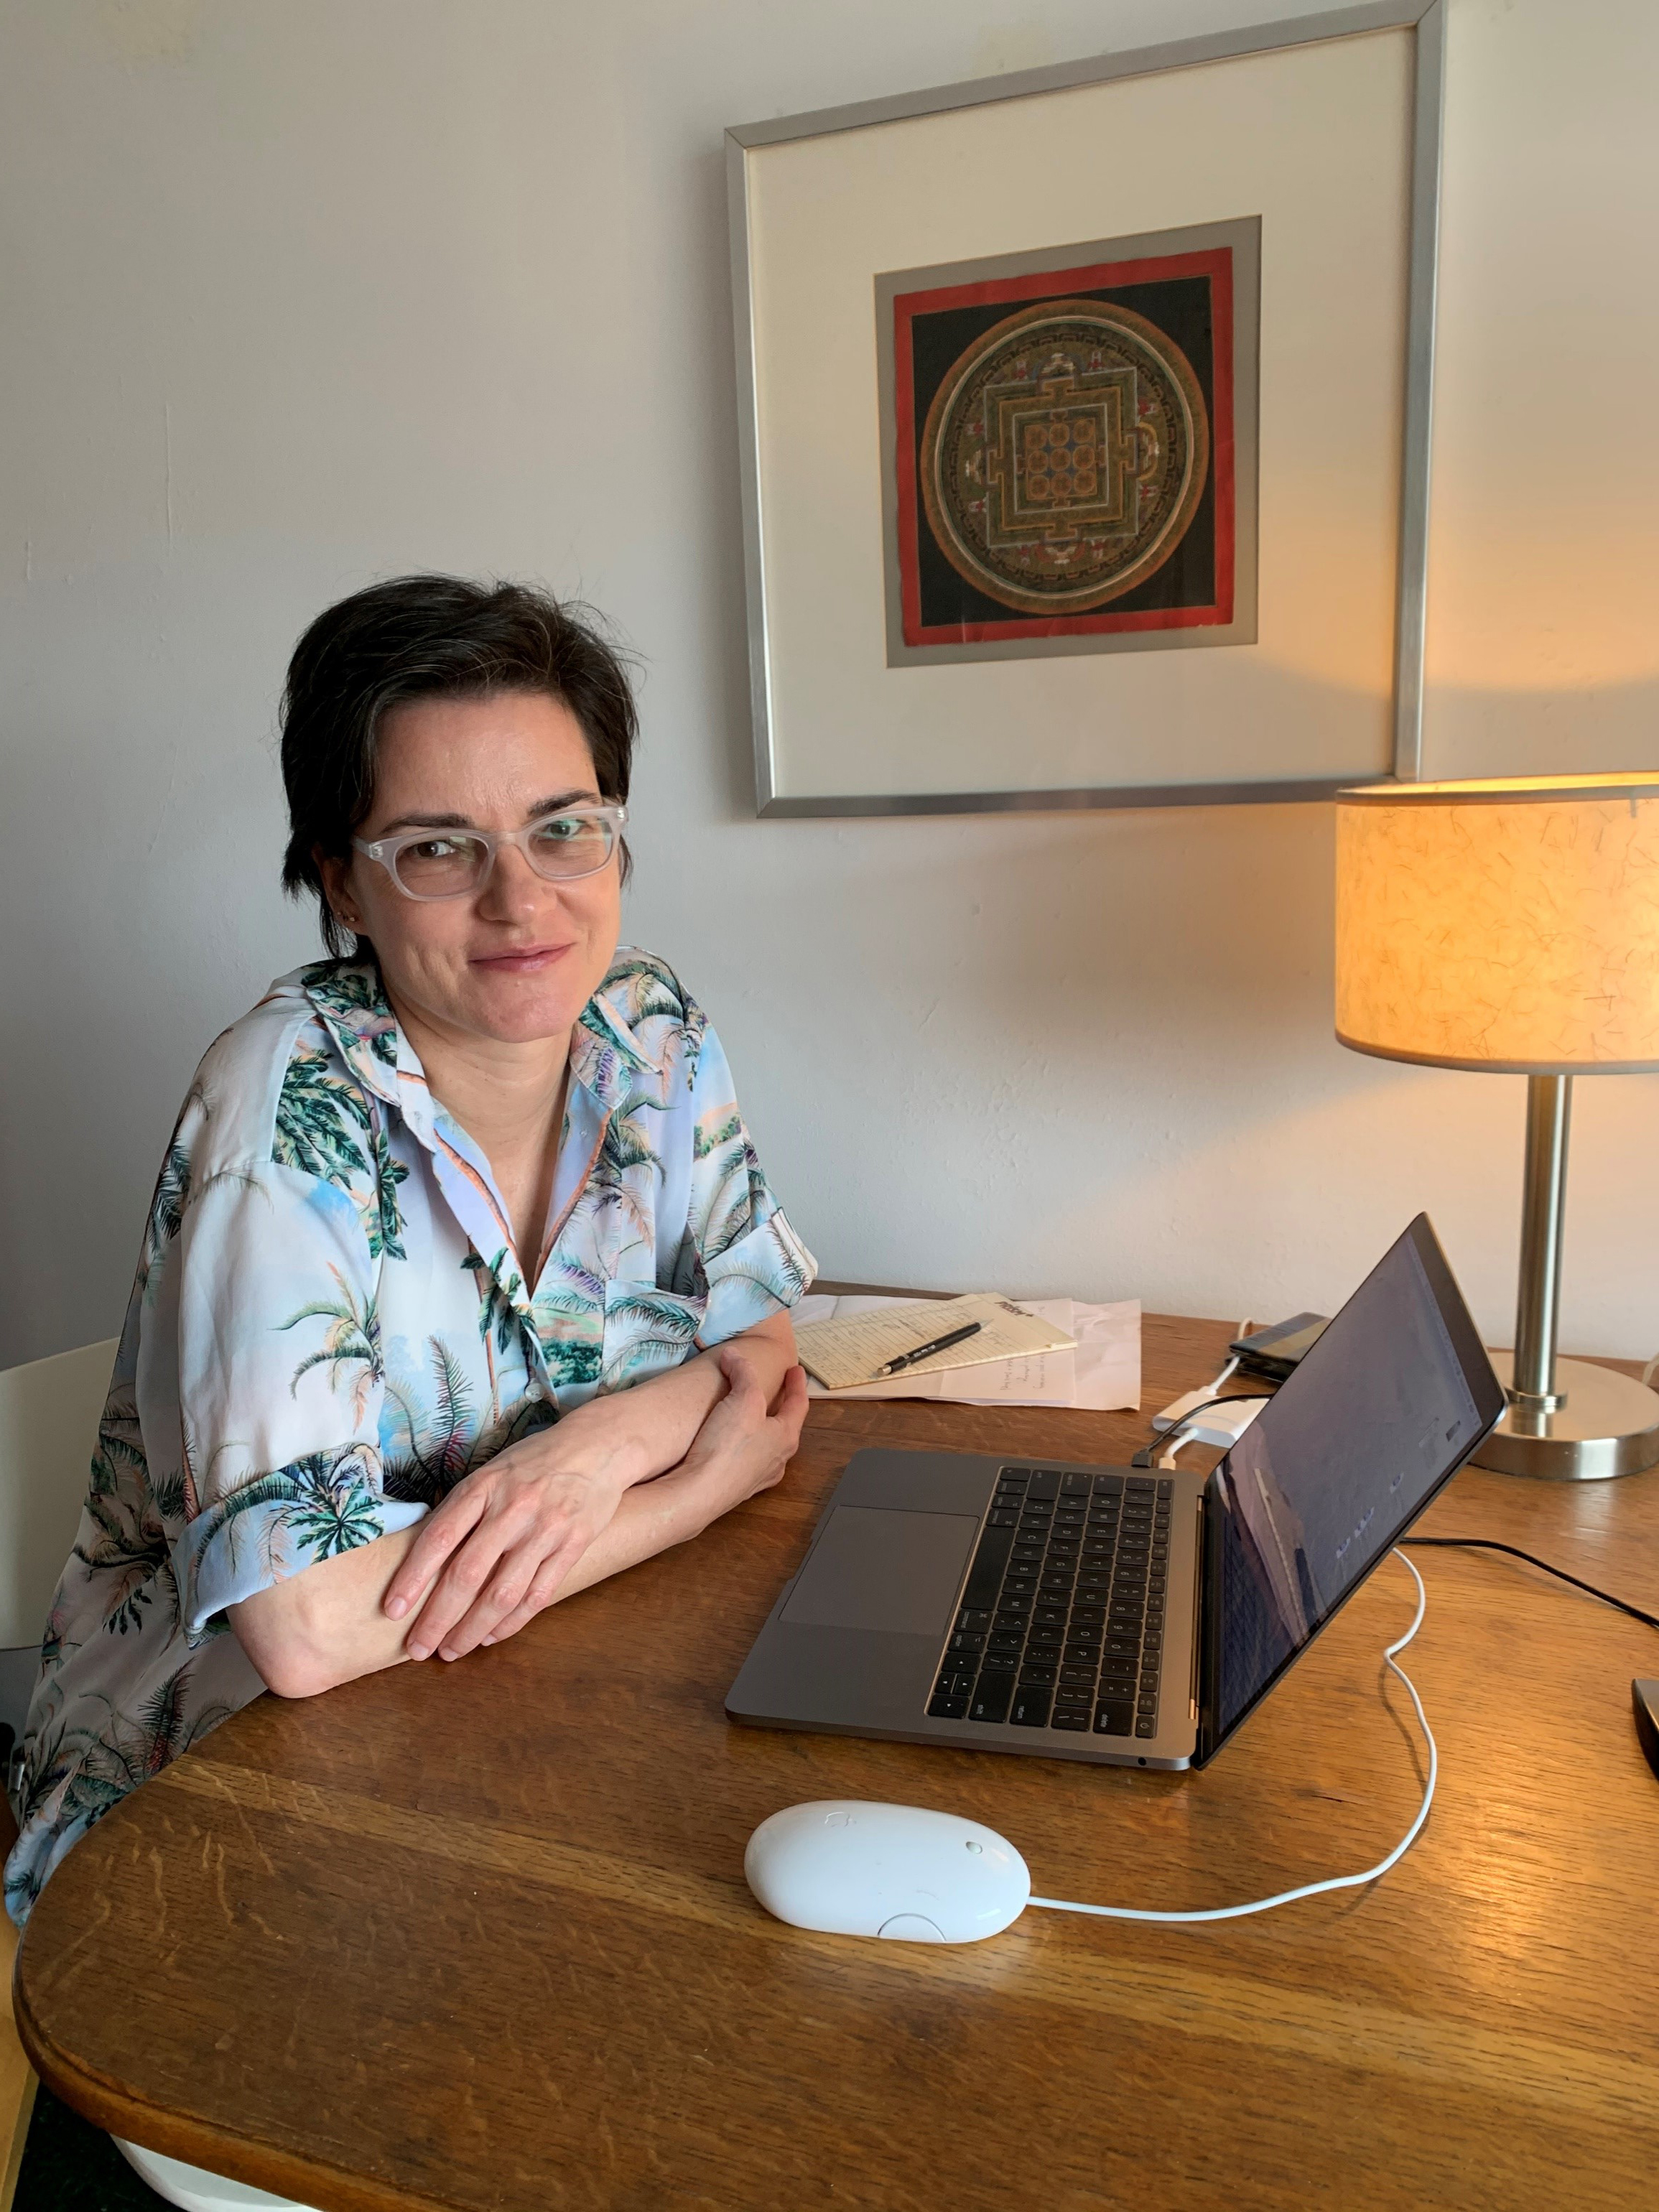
{"type": "Point", "coordinates": [329, 1329]}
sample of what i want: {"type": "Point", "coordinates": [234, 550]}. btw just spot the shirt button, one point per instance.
{"type": "Point", "coordinates": [534, 1392]}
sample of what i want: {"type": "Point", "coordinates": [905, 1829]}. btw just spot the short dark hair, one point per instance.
{"type": "Point", "coordinates": [427, 637]}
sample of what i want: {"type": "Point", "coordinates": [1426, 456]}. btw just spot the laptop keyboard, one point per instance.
{"type": "Point", "coordinates": [1062, 1620]}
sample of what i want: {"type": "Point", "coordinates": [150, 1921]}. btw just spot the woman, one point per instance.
{"type": "Point", "coordinates": [423, 1334]}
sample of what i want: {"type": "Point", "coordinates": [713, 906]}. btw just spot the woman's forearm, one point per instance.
{"type": "Point", "coordinates": [329, 1624]}
{"type": "Point", "coordinates": [650, 1427]}
{"type": "Point", "coordinates": [325, 1626]}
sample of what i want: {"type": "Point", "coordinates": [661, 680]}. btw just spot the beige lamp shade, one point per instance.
{"type": "Point", "coordinates": [1511, 924]}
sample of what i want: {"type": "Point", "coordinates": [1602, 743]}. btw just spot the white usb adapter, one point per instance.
{"type": "Point", "coordinates": [1221, 1424]}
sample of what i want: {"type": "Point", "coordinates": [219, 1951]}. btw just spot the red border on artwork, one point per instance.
{"type": "Point", "coordinates": [1217, 265]}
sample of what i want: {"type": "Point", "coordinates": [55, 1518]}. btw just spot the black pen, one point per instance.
{"type": "Point", "coordinates": [926, 1351]}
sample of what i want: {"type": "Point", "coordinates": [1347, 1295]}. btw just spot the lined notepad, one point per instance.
{"type": "Point", "coordinates": [851, 1349]}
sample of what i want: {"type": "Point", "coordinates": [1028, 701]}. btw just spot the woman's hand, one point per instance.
{"type": "Point", "coordinates": [501, 1546]}
{"type": "Point", "coordinates": [743, 1447]}
{"type": "Point", "coordinates": [740, 1450]}
{"type": "Point", "coordinates": [513, 1529]}
{"type": "Point", "coordinates": [527, 1517]}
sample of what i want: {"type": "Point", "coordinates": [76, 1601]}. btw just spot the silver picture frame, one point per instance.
{"type": "Point", "coordinates": [1426, 23]}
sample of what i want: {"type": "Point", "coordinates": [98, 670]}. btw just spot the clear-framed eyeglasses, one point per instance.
{"type": "Point", "coordinates": [442, 864]}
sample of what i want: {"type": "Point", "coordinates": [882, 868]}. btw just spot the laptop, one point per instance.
{"type": "Point", "coordinates": [1116, 1615]}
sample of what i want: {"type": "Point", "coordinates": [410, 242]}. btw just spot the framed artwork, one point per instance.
{"type": "Point", "coordinates": [1083, 423]}
{"type": "Point", "coordinates": [1067, 445]}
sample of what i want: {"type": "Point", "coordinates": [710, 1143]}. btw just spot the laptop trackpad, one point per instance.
{"type": "Point", "coordinates": [876, 1568]}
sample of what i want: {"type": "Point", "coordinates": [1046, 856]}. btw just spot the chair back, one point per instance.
{"type": "Point", "coordinates": [49, 1415]}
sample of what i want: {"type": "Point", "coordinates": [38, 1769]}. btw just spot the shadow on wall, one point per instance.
{"type": "Point", "coordinates": [1540, 731]}
{"type": "Point", "coordinates": [1076, 936]}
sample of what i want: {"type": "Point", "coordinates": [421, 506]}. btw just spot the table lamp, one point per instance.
{"type": "Point", "coordinates": [1513, 924]}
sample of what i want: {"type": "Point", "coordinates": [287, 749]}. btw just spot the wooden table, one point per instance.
{"type": "Point", "coordinates": [478, 1936]}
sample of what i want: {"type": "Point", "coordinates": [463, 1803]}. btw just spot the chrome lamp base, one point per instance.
{"type": "Point", "coordinates": [1605, 1425]}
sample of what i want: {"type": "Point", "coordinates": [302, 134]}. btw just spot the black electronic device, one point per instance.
{"type": "Point", "coordinates": [1276, 1350]}
{"type": "Point", "coordinates": [1644, 1697]}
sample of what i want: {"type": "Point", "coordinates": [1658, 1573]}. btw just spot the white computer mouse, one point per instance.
{"type": "Point", "coordinates": [854, 1868]}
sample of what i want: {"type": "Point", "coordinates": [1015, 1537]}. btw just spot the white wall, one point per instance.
{"type": "Point", "coordinates": [302, 292]}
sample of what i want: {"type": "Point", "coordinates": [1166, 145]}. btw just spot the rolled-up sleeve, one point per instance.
{"type": "Point", "coordinates": [281, 1385]}
{"type": "Point", "coordinates": [750, 1257]}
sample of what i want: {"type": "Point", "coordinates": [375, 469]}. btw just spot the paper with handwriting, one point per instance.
{"type": "Point", "coordinates": [1100, 1372]}
{"type": "Point", "coordinates": [848, 1348]}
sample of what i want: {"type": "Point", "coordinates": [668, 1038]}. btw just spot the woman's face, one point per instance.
{"type": "Point", "coordinates": [519, 958]}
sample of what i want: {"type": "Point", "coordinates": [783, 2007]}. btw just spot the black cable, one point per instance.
{"type": "Point", "coordinates": [1144, 1458]}
{"type": "Point", "coordinates": [1490, 1544]}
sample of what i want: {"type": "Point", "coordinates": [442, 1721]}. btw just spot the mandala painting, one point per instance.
{"type": "Point", "coordinates": [1064, 451]}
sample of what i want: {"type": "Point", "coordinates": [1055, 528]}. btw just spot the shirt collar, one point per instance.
{"type": "Point", "coordinates": [605, 1054]}
{"type": "Point", "coordinates": [351, 1004]}
{"type": "Point", "coordinates": [349, 1000]}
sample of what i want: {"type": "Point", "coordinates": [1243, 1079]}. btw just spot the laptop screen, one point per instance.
{"type": "Point", "coordinates": [1383, 1410]}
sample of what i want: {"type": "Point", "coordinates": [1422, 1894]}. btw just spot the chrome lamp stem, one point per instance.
{"type": "Point", "coordinates": [1538, 1303]}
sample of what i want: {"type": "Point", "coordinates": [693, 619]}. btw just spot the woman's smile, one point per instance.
{"type": "Point", "coordinates": [521, 959]}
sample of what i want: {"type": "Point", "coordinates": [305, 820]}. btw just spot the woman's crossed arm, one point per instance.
{"type": "Point", "coordinates": [545, 1518]}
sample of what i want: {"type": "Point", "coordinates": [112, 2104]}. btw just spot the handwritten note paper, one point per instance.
{"type": "Point", "coordinates": [848, 1348]}
{"type": "Point", "coordinates": [1101, 1372]}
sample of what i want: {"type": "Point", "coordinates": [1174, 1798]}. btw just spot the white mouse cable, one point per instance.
{"type": "Point", "coordinates": [1336, 1881]}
